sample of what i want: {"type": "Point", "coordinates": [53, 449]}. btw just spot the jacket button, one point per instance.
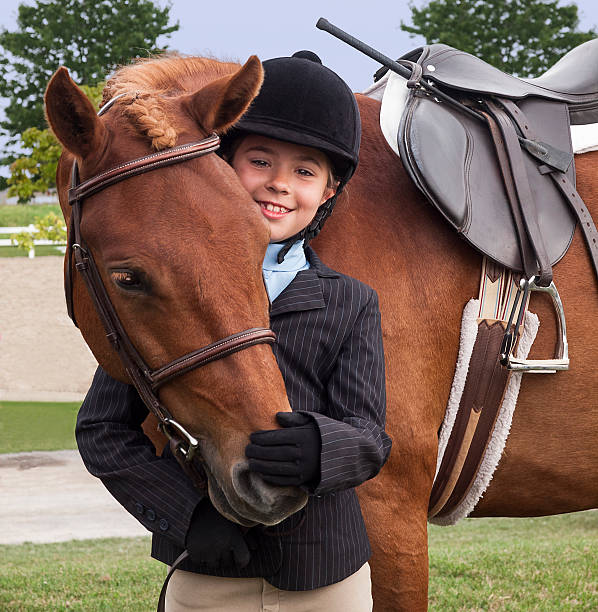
{"type": "Point", "coordinates": [150, 514]}
{"type": "Point", "coordinates": [139, 508]}
{"type": "Point", "coordinates": [163, 524]}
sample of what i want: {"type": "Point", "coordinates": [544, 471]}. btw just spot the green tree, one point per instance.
{"type": "Point", "coordinates": [51, 227]}
{"type": "Point", "coordinates": [35, 172]}
{"type": "Point", "coordinates": [89, 37]}
{"type": "Point", "coordinates": [522, 37]}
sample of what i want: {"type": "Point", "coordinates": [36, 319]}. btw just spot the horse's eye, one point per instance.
{"type": "Point", "coordinates": [127, 279]}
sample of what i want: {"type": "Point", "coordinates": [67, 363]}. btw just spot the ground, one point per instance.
{"type": "Point", "coordinates": [42, 354]}
{"type": "Point", "coordinates": [47, 496]}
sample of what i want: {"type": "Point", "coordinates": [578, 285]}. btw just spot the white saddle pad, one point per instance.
{"type": "Point", "coordinates": [391, 89]}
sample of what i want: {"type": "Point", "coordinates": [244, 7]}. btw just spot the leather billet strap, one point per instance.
{"type": "Point", "coordinates": [523, 205]}
{"type": "Point", "coordinates": [567, 188]}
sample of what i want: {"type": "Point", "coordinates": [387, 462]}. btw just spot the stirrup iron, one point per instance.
{"type": "Point", "coordinates": [535, 366]}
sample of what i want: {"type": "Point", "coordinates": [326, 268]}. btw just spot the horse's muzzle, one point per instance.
{"type": "Point", "coordinates": [253, 501]}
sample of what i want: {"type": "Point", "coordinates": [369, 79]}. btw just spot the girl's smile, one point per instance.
{"type": "Point", "coordinates": [288, 181]}
{"type": "Point", "coordinates": [271, 210]}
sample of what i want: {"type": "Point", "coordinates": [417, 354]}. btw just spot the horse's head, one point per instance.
{"type": "Point", "coordinates": [179, 250]}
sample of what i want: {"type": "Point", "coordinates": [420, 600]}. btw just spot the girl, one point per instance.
{"type": "Point", "coordinates": [294, 151]}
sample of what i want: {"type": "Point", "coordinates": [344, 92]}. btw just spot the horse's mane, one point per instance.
{"type": "Point", "coordinates": [147, 84]}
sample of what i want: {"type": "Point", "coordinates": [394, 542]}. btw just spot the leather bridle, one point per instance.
{"type": "Point", "coordinates": [147, 381]}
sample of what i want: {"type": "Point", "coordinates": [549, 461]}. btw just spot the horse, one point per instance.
{"type": "Point", "coordinates": [179, 250]}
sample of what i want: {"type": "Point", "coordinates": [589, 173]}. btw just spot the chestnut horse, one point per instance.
{"type": "Point", "coordinates": [193, 240]}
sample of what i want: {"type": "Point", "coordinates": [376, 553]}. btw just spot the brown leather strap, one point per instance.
{"type": "Point", "coordinates": [528, 262]}
{"type": "Point", "coordinates": [146, 380]}
{"type": "Point", "coordinates": [205, 355]}
{"type": "Point", "coordinates": [566, 187]}
{"type": "Point", "coordinates": [527, 205]}
{"type": "Point", "coordinates": [578, 206]}
{"type": "Point", "coordinates": [162, 600]}
{"type": "Point", "coordinates": [143, 164]}
{"type": "Point", "coordinates": [484, 389]}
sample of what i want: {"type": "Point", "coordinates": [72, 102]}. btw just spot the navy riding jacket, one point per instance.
{"type": "Point", "coordinates": [329, 350]}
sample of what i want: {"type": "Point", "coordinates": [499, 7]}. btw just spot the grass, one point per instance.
{"type": "Point", "coordinates": [23, 214]}
{"type": "Point", "coordinates": [544, 564]}
{"type": "Point", "coordinates": [40, 251]}
{"type": "Point", "coordinates": [85, 575]}
{"type": "Point", "coordinates": [541, 564]}
{"type": "Point", "coordinates": [537, 564]}
{"type": "Point", "coordinates": [27, 426]}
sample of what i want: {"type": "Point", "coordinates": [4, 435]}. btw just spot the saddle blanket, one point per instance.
{"type": "Point", "coordinates": [392, 91]}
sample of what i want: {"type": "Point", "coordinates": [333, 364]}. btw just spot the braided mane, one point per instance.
{"type": "Point", "coordinates": [149, 83]}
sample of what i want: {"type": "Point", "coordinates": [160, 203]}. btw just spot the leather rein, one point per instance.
{"type": "Point", "coordinates": [147, 381]}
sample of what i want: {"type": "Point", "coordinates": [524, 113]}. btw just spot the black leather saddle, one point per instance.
{"type": "Point", "coordinates": [498, 163]}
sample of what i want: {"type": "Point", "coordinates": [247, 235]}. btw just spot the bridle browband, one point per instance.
{"type": "Point", "coordinates": [146, 381]}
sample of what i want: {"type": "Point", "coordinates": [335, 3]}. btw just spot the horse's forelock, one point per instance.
{"type": "Point", "coordinates": [149, 82]}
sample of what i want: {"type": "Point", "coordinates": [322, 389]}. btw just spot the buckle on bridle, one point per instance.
{"type": "Point", "coordinates": [180, 432]}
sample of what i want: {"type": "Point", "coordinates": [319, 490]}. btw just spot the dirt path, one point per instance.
{"type": "Point", "coordinates": [42, 355]}
{"type": "Point", "coordinates": [50, 497]}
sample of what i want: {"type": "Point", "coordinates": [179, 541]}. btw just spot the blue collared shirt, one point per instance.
{"type": "Point", "coordinates": [278, 275]}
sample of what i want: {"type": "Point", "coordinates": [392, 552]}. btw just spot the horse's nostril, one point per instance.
{"type": "Point", "coordinates": [250, 487]}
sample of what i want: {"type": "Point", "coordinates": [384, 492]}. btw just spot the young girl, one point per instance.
{"type": "Point", "coordinates": [294, 151]}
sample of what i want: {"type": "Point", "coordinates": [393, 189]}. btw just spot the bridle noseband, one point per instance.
{"type": "Point", "coordinates": [146, 381]}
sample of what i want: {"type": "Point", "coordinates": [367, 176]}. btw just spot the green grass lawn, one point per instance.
{"type": "Point", "coordinates": [86, 575]}
{"type": "Point", "coordinates": [27, 426]}
{"type": "Point", "coordinates": [40, 251]}
{"type": "Point", "coordinates": [20, 216]}
{"type": "Point", "coordinates": [547, 564]}
{"type": "Point", "coordinates": [23, 214]}
{"type": "Point", "coordinates": [542, 564]}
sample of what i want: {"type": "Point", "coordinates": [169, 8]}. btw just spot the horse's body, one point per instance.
{"type": "Point", "coordinates": [384, 233]}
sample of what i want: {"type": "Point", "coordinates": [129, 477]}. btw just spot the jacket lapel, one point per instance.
{"type": "Point", "coordinates": [305, 291]}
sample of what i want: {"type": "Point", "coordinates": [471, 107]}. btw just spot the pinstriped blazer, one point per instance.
{"type": "Point", "coordinates": [329, 350]}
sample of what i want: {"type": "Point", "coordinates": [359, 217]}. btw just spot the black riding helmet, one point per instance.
{"type": "Point", "coordinates": [303, 102]}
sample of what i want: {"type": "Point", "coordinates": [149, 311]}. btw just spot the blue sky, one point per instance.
{"type": "Point", "coordinates": [235, 29]}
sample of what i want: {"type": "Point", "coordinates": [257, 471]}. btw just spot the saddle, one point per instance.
{"type": "Point", "coordinates": [493, 152]}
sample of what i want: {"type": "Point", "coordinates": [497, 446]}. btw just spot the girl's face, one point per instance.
{"type": "Point", "coordinates": [288, 181]}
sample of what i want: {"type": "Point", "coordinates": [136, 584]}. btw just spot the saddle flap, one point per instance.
{"type": "Point", "coordinates": [452, 159]}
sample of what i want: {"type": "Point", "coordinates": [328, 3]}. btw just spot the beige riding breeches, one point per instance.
{"type": "Point", "coordinates": [190, 592]}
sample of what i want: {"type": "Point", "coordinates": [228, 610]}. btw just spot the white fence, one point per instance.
{"type": "Point", "coordinates": [28, 228]}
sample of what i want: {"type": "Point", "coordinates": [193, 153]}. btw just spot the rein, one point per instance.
{"type": "Point", "coordinates": [146, 381]}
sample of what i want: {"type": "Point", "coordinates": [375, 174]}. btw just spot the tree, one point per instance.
{"type": "Point", "coordinates": [90, 37]}
{"type": "Point", "coordinates": [35, 172]}
{"type": "Point", "coordinates": [519, 37]}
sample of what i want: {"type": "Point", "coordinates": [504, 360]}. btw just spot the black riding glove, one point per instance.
{"type": "Point", "coordinates": [289, 456]}
{"type": "Point", "coordinates": [214, 540]}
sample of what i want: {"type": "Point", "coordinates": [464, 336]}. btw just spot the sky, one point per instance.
{"type": "Point", "coordinates": [236, 29]}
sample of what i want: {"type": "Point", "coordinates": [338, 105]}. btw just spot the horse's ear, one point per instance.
{"type": "Point", "coordinates": [71, 116]}
{"type": "Point", "coordinates": [220, 104]}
